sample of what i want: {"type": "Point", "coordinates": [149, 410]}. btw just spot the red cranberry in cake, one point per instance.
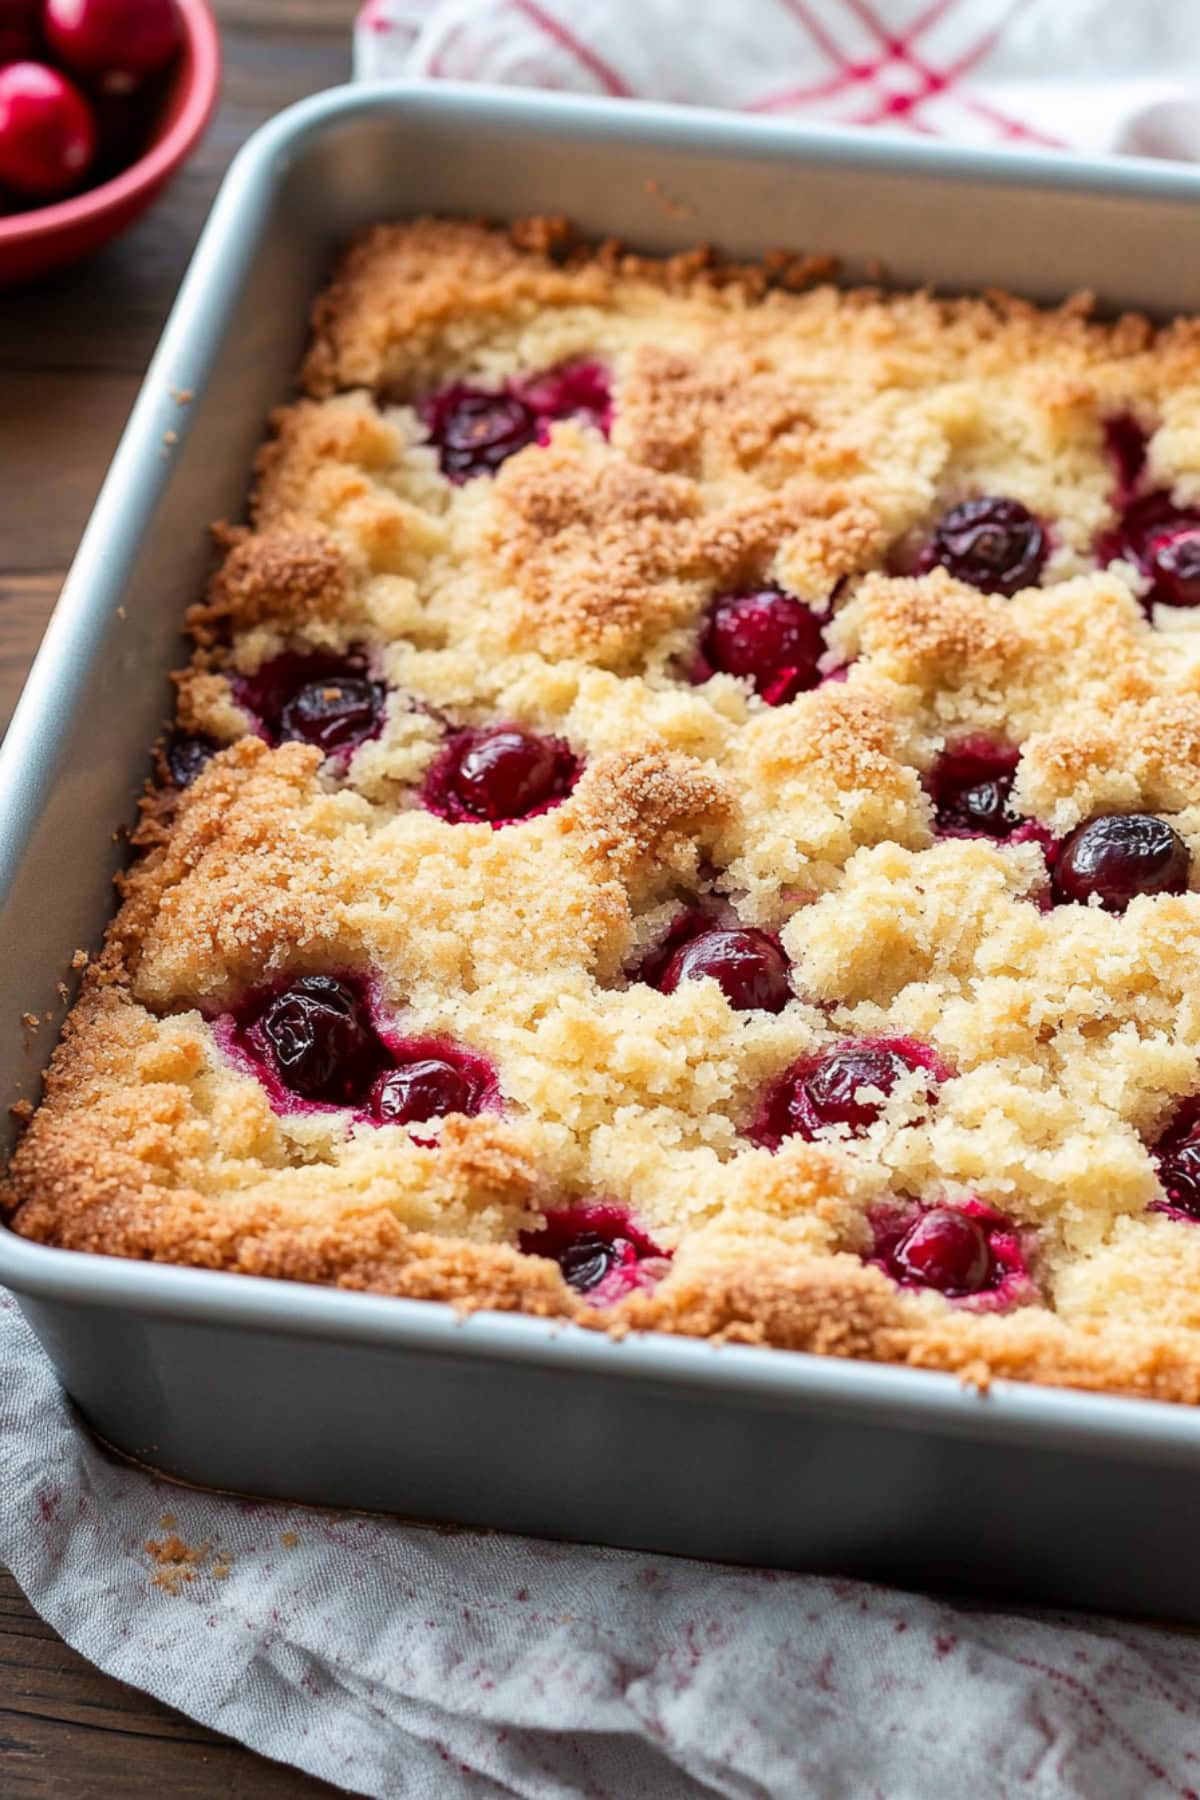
{"type": "Point", "coordinates": [748, 966]}
{"type": "Point", "coordinates": [767, 637]}
{"type": "Point", "coordinates": [1162, 540]}
{"type": "Point", "coordinates": [1115, 858]}
{"type": "Point", "coordinates": [995, 544]}
{"type": "Point", "coordinates": [574, 390]}
{"type": "Point", "coordinates": [476, 428]}
{"type": "Point", "coordinates": [600, 1251]}
{"type": "Point", "coordinates": [970, 784]}
{"type": "Point", "coordinates": [323, 699]}
{"type": "Point", "coordinates": [946, 1251]}
{"type": "Point", "coordinates": [1177, 1155]}
{"type": "Point", "coordinates": [845, 1088]}
{"type": "Point", "coordinates": [498, 774]}
{"type": "Point", "coordinates": [186, 754]}
{"type": "Point", "coordinates": [964, 1251]}
{"type": "Point", "coordinates": [429, 1079]}
{"type": "Point", "coordinates": [318, 1039]}
{"type": "Point", "coordinates": [1125, 439]}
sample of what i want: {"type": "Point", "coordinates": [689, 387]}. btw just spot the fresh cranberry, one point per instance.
{"type": "Point", "coordinates": [748, 966]}
{"type": "Point", "coordinates": [970, 784]}
{"type": "Point", "coordinates": [316, 698]}
{"type": "Point", "coordinates": [116, 43]}
{"type": "Point", "coordinates": [186, 754]}
{"type": "Point", "coordinates": [477, 428]}
{"type": "Point", "coordinates": [767, 637]}
{"type": "Point", "coordinates": [599, 1249]}
{"type": "Point", "coordinates": [498, 774]}
{"type": "Point", "coordinates": [997, 545]}
{"type": "Point", "coordinates": [47, 133]}
{"type": "Point", "coordinates": [826, 1090]}
{"type": "Point", "coordinates": [19, 30]}
{"type": "Point", "coordinates": [1119, 856]}
{"type": "Point", "coordinates": [319, 1040]}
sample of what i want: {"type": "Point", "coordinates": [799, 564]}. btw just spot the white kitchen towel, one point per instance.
{"type": "Point", "coordinates": [436, 1665]}
{"type": "Point", "coordinates": [1093, 75]}
{"type": "Point", "coordinates": [440, 1665]}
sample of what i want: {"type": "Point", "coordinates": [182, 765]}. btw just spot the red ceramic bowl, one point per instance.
{"type": "Point", "coordinates": [48, 237]}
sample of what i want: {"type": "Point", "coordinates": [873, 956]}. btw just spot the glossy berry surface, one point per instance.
{"type": "Point", "coordinates": [1115, 858]}
{"type": "Point", "coordinates": [430, 1078]}
{"type": "Point", "coordinates": [970, 784]}
{"type": "Point", "coordinates": [116, 43]}
{"type": "Point", "coordinates": [767, 637]}
{"type": "Point", "coordinates": [599, 1249]}
{"type": "Point", "coordinates": [749, 967]}
{"type": "Point", "coordinates": [186, 754]}
{"type": "Point", "coordinates": [1177, 1156]}
{"type": "Point", "coordinates": [499, 774]}
{"type": "Point", "coordinates": [47, 132]}
{"type": "Point", "coordinates": [326, 700]}
{"type": "Point", "coordinates": [968, 1251]}
{"type": "Point", "coordinates": [946, 1251]}
{"type": "Point", "coordinates": [319, 1040]}
{"type": "Point", "coordinates": [997, 545]}
{"type": "Point", "coordinates": [477, 428]}
{"type": "Point", "coordinates": [837, 1089]}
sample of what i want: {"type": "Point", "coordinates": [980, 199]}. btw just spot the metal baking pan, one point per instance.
{"type": "Point", "coordinates": [279, 1389]}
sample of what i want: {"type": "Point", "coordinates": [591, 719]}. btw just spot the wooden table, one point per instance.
{"type": "Point", "coordinates": [72, 352]}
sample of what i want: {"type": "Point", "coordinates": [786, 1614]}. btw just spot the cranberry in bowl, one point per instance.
{"type": "Point", "coordinates": [143, 137]}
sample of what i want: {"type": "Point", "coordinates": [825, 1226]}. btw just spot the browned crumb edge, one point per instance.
{"type": "Point", "coordinates": [88, 1175]}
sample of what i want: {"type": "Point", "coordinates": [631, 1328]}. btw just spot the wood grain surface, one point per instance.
{"type": "Point", "coordinates": [72, 352]}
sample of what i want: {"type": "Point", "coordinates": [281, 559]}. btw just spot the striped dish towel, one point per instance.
{"type": "Point", "coordinates": [1085, 75]}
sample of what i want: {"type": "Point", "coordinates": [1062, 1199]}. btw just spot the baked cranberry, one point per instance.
{"type": "Point", "coordinates": [997, 545]}
{"type": "Point", "coordinates": [477, 428]}
{"type": "Point", "coordinates": [428, 1088]}
{"type": "Point", "coordinates": [828, 1090]}
{"type": "Point", "coordinates": [1115, 858]}
{"type": "Point", "coordinates": [1125, 439]}
{"type": "Point", "coordinates": [498, 774]}
{"type": "Point", "coordinates": [116, 43]}
{"type": "Point", "coordinates": [767, 637]}
{"type": "Point", "coordinates": [970, 785]}
{"type": "Point", "coordinates": [1177, 1155]}
{"type": "Point", "coordinates": [1162, 541]}
{"type": "Point", "coordinates": [748, 966]}
{"type": "Point", "coordinates": [186, 754]}
{"type": "Point", "coordinates": [475, 431]}
{"type": "Point", "coordinates": [316, 698]}
{"type": "Point", "coordinates": [19, 30]}
{"type": "Point", "coordinates": [573, 390]}
{"type": "Point", "coordinates": [47, 132]}
{"type": "Point", "coordinates": [599, 1249]}
{"type": "Point", "coordinates": [946, 1251]}
{"type": "Point", "coordinates": [967, 1251]}
{"type": "Point", "coordinates": [320, 1041]}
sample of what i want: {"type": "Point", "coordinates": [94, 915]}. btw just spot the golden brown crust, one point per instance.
{"type": "Point", "coordinates": [766, 431]}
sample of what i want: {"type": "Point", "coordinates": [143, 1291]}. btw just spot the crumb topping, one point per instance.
{"type": "Point", "coordinates": [546, 610]}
